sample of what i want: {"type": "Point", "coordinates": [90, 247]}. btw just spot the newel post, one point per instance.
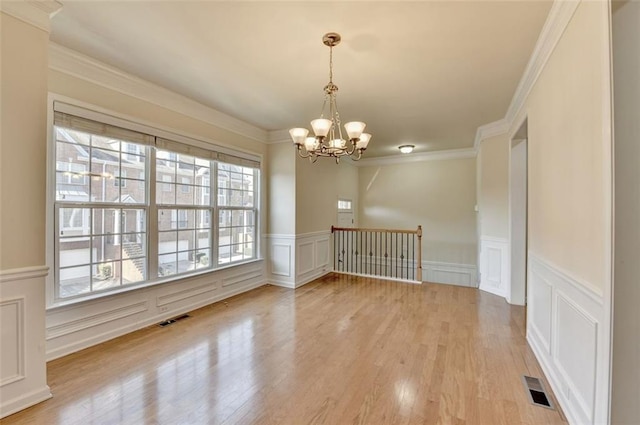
{"type": "Point", "coordinates": [419, 273]}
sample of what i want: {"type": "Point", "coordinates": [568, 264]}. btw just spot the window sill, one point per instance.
{"type": "Point", "coordinates": [61, 304]}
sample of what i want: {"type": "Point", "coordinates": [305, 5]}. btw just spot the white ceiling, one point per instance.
{"type": "Point", "coordinates": [424, 73]}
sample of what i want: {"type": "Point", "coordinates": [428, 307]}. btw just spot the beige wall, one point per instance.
{"type": "Point", "coordinates": [318, 188]}
{"type": "Point", "coordinates": [493, 187]}
{"type": "Point", "coordinates": [439, 195]}
{"type": "Point", "coordinates": [23, 147]}
{"type": "Point", "coordinates": [625, 408]}
{"type": "Point", "coordinates": [568, 152]}
{"type": "Point", "coordinates": [23, 150]}
{"type": "Point", "coordinates": [281, 188]}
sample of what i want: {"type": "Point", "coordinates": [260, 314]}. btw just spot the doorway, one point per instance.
{"type": "Point", "coordinates": [518, 217]}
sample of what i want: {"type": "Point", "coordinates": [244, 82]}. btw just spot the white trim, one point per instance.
{"type": "Point", "coordinates": [279, 136]}
{"type": "Point", "coordinates": [19, 343]}
{"type": "Point", "coordinates": [559, 16]}
{"type": "Point", "coordinates": [145, 318]}
{"type": "Point", "coordinates": [494, 284]}
{"type": "Point", "coordinates": [298, 236]}
{"type": "Point", "coordinates": [459, 274]}
{"type": "Point", "coordinates": [391, 279]}
{"type": "Point", "coordinates": [26, 400]}
{"type": "Point", "coordinates": [490, 130]}
{"type": "Point", "coordinates": [36, 13]}
{"type": "Point", "coordinates": [78, 65]}
{"type": "Point", "coordinates": [419, 157]}
{"type": "Point", "coordinates": [589, 319]}
{"type": "Point", "coordinates": [11, 275]}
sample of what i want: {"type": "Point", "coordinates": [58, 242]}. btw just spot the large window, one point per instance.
{"type": "Point", "coordinates": [116, 187]}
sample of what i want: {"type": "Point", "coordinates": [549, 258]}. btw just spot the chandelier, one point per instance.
{"type": "Point", "coordinates": [328, 140]}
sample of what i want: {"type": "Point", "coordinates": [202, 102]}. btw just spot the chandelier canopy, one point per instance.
{"type": "Point", "coordinates": [328, 140]}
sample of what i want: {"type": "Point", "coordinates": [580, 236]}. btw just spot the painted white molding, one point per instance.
{"type": "Point", "coordinates": [78, 65]}
{"type": "Point", "coordinates": [442, 155]}
{"type": "Point", "coordinates": [23, 382]}
{"type": "Point", "coordinates": [494, 265]}
{"type": "Point", "coordinates": [78, 326]}
{"type": "Point", "coordinates": [279, 136]}
{"type": "Point", "coordinates": [13, 330]}
{"type": "Point", "coordinates": [14, 405]}
{"type": "Point", "coordinates": [295, 260]}
{"type": "Point", "coordinates": [490, 130]}
{"type": "Point", "coordinates": [566, 332]}
{"type": "Point", "coordinates": [23, 273]}
{"type": "Point", "coordinates": [195, 291]}
{"type": "Point", "coordinates": [37, 13]}
{"type": "Point", "coordinates": [87, 322]}
{"type": "Point", "coordinates": [450, 273]}
{"type": "Point", "coordinates": [559, 16]}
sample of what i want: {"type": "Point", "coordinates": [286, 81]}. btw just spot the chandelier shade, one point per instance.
{"type": "Point", "coordinates": [327, 139]}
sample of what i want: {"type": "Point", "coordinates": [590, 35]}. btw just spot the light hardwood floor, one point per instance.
{"type": "Point", "coordinates": [339, 350]}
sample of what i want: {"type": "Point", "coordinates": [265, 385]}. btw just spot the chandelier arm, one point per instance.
{"type": "Point", "coordinates": [301, 155]}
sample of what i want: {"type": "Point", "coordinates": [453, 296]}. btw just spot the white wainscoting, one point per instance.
{"type": "Point", "coordinates": [450, 273]}
{"type": "Point", "coordinates": [295, 260]}
{"type": "Point", "coordinates": [75, 327]}
{"type": "Point", "coordinates": [23, 378]}
{"type": "Point", "coordinates": [567, 334]}
{"type": "Point", "coordinates": [494, 265]}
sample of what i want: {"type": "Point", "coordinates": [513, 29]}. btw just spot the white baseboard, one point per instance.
{"type": "Point", "coordinates": [569, 335]}
{"type": "Point", "coordinates": [9, 407]}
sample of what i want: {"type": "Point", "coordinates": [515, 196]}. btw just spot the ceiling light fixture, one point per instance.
{"type": "Point", "coordinates": [328, 140]}
{"type": "Point", "coordinates": [406, 148]}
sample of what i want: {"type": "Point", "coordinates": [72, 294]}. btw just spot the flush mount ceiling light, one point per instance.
{"type": "Point", "coordinates": [406, 148]}
{"type": "Point", "coordinates": [328, 140]}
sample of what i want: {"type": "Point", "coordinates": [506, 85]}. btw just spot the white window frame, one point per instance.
{"type": "Point", "coordinates": [113, 118]}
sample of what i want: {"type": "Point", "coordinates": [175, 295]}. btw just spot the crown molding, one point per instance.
{"type": "Point", "coordinates": [418, 157]}
{"type": "Point", "coordinates": [36, 13]}
{"type": "Point", "coordinates": [489, 130]}
{"type": "Point", "coordinates": [78, 65]}
{"type": "Point", "coordinates": [278, 136]}
{"type": "Point", "coordinates": [559, 17]}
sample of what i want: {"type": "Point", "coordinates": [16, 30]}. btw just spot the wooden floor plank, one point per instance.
{"type": "Point", "coordinates": [340, 350]}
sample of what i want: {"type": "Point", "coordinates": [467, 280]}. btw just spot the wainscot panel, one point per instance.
{"type": "Point", "coordinates": [74, 327]}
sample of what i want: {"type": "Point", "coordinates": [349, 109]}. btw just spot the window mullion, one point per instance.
{"type": "Point", "coordinates": [152, 220]}
{"type": "Point", "coordinates": [215, 214]}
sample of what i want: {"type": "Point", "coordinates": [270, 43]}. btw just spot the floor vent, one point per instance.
{"type": "Point", "coordinates": [172, 321]}
{"type": "Point", "coordinates": [536, 392]}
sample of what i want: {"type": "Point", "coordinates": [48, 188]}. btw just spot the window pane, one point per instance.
{"type": "Point", "coordinates": [167, 264]}
{"type": "Point", "coordinates": [103, 249]}
{"type": "Point", "coordinates": [167, 219]}
{"type": "Point", "coordinates": [167, 242]}
{"type": "Point", "coordinates": [74, 221]}
{"type": "Point", "coordinates": [134, 270]}
{"type": "Point", "coordinates": [132, 192]}
{"type": "Point", "coordinates": [74, 281]}
{"type": "Point", "coordinates": [203, 239]}
{"type": "Point", "coordinates": [108, 276]}
{"type": "Point", "coordinates": [186, 240]}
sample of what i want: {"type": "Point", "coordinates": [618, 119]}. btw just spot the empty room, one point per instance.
{"type": "Point", "coordinates": [425, 212]}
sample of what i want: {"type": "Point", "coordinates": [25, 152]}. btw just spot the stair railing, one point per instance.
{"type": "Point", "coordinates": [386, 253]}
